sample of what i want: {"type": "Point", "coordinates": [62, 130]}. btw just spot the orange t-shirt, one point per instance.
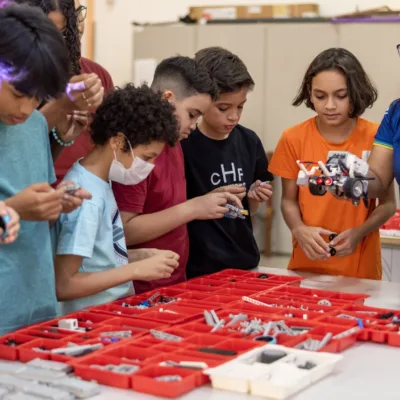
{"type": "Point", "coordinates": [304, 142]}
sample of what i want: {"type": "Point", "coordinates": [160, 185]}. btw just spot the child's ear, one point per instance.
{"type": "Point", "coordinates": [117, 142]}
{"type": "Point", "coordinates": [170, 96]}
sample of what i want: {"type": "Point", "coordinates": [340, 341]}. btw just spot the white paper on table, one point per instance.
{"type": "Point", "coordinates": [143, 70]}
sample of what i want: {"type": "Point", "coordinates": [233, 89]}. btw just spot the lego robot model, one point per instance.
{"type": "Point", "coordinates": [344, 174]}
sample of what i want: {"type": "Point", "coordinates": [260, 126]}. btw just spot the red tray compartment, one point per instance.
{"type": "Point", "coordinates": [356, 298]}
{"type": "Point", "coordinates": [207, 282]}
{"type": "Point", "coordinates": [349, 323]}
{"type": "Point", "coordinates": [84, 370]}
{"type": "Point", "coordinates": [41, 333]}
{"type": "Point", "coordinates": [144, 382]}
{"type": "Point", "coordinates": [252, 288]}
{"type": "Point", "coordinates": [342, 344]}
{"type": "Point", "coordinates": [222, 300]}
{"type": "Point", "coordinates": [11, 352]}
{"type": "Point", "coordinates": [114, 310]}
{"type": "Point", "coordinates": [394, 339]}
{"type": "Point", "coordinates": [230, 272]}
{"type": "Point", "coordinates": [238, 345]}
{"type": "Point", "coordinates": [172, 315]}
{"type": "Point", "coordinates": [379, 333]}
{"type": "Point", "coordinates": [299, 314]}
{"type": "Point", "coordinates": [203, 341]}
{"type": "Point", "coordinates": [136, 325]}
{"type": "Point", "coordinates": [239, 293]}
{"type": "Point", "coordinates": [203, 297]}
{"type": "Point", "coordinates": [199, 288]}
{"type": "Point", "coordinates": [132, 354]}
{"type": "Point", "coordinates": [26, 352]}
{"type": "Point", "coordinates": [199, 328]}
{"type": "Point", "coordinates": [166, 347]}
{"type": "Point", "coordinates": [178, 332]}
{"type": "Point", "coordinates": [245, 308]}
{"type": "Point", "coordinates": [85, 319]}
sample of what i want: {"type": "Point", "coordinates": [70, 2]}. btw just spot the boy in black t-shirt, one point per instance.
{"type": "Point", "coordinates": [221, 155]}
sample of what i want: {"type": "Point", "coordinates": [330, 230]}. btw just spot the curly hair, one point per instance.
{"type": "Point", "coordinates": [71, 31]}
{"type": "Point", "coordinates": [226, 68]}
{"type": "Point", "coordinates": [362, 92]}
{"type": "Point", "coordinates": [185, 77]}
{"type": "Point", "coordinates": [141, 114]}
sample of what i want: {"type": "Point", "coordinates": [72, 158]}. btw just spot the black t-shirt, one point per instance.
{"type": "Point", "coordinates": [226, 243]}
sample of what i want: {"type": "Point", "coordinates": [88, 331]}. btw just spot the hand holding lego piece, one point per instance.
{"type": "Point", "coordinates": [237, 190]}
{"type": "Point", "coordinates": [310, 239]}
{"type": "Point", "coordinates": [9, 224]}
{"type": "Point", "coordinates": [260, 191]}
{"type": "Point", "coordinates": [73, 196]}
{"type": "Point", "coordinates": [213, 205]}
{"type": "Point", "coordinates": [346, 242]}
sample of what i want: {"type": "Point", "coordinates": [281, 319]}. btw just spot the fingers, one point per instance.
{"type": "Point", "coordinates": [338, 239]}
{"type": "Point", "coordinates": [83, 121]}
{"type": "Point", "coordinates": [327, 232]}
{"type": "Point", "coordinates": [232, 199]}
{"type": "Point", "coordinates": [41, 187]}
{"type": "Point", "coordinates": [96, 99]}
{"type": "Point", "coordinates": [234, 189]}
{"type": "Point", "coordinates": [83, 194]}
{"type": "Point", "coordinates": [263, 193]}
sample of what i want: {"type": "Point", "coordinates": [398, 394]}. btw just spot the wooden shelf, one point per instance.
{"type": "Point", "coordinates": [390, 241]}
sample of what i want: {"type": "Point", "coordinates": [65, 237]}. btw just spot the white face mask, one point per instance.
{"type": "Point", "coordinates": [136, 173]}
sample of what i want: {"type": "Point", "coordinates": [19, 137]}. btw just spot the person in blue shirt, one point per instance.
{"type": "Point", "coordinates": [33, 67]}
{"type": "Point", "coordinates": [129, 130]}
{"type": "Point", "coordinates": [384, 160]}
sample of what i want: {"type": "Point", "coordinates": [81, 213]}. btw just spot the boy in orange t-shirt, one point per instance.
{"type": "Point", "coordinates": [338, 99]}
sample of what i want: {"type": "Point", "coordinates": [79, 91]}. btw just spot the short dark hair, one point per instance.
{"type": "Point", "coordinates": [33, 57]}
{"type": "Point", "coordinates": [184, 77]}
{"type": "Point", "coordinates": [140, 113]}
{"type": "Point", "coordinates": [71, 32]}
{"type": "Point", "coordinates": [362, 92]}
{"type": "Point", "coordinates": [227, 69]}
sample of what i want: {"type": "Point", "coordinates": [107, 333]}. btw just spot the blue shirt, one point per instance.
{"type": "Point", "coordinates": [94, 232]}
{"type": "Point", "coordinates": [388, 135]}
{"type": "Point", "coordinates": [27, 289]}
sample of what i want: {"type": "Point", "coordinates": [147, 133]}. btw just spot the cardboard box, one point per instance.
{"type": "Point", "coordinates": [255, 12]}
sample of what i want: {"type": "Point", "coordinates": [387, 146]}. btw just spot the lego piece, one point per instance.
{"type": "Point", "coordinates": [72, 188]}
{"type": "Point", "coordinates": [325, 302]}
{"type": "Point", "coordinates": [346, 333]}
{"type": "Point", "coordinates": [45, 392]}
{"type": "Point", "coordinates": [39, 374]}
{"type": "Point", "coordinates": [197, 365]}
{"type": "Point", "coordinates": [76, 350]}
{"type": "Point", "coordinates": [270, 356]}
{"type": "Point", "coordinates": [168, 378]}
{"type": "Point", "coordinates": [327, 338]}
{"type": "Point", "coordinates": [119, 334]}
{"type": "Point", "coordinates": [220, 352]}
{"type": "Point", "coordinates": [11, 383]}
{"type": "Point", "coordinates": [126, 369]}
{"type": "Point", "coordinates": [265, 338]}
{"type": "Point", "coordinates": [215, 316]}
{"type": "Point", "coordinates": [3, 392]}
{"type": "Point", "coordinates": [10, 367]}
{"type": "Point", "coordinates": [235, 212]}
{"type": "Point", "coordinates": [386, 315]}
{"type": "Point", "coordinates": [20, 396]}
{"type": "Point", "coordinates": [68, 324]}
{"type": "Point", "coordinates": [4, 220]}
{"type": "Point", "coordinates": [255, 302]}
{"type": "Point", "coordinates": [165, 336]}
{"type": "Point", "coordinates": [50, 365]}
{"type": "Point", "coordinates": [236, 318]}
{"type": "Point", "coordinates": [219, 325]}
{"type": "Point", "coordinates": [81, 389]}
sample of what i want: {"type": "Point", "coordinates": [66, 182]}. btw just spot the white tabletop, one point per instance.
{"type": "Point", "coordinates": [368, 371]}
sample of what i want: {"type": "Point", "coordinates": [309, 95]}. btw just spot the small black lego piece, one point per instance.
{"type": "Point", "coordinates": [10, 342]}
{"type": "Point", "coordinates": [270, 356]}
{"type": "Point", "coordinates": [307, 365]}
{"type": "Point", "coordinates": [220, 352]}
{"type": "Point", "coordinates": [263, 276]}
{"type": "Point", "coordinates": [386, 315]}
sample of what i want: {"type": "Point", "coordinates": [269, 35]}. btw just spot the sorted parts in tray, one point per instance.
{"type": "Point", "coordinates": [275, 372]}
{"type": "Point", "coordinates": [170, 336]}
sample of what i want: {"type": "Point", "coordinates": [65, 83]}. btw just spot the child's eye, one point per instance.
{"type": "Point", "coordinates": [342, 97]}
{"type": "Point", "coordinates": [191, 116]}
{"type": "Point", "coordinates": [240, 107]}
{"type": "Point", "coordinates": [319, 97]}
{"type": "Point", "coordinates": [222, 109]}
{"type": "Point", "coordinates": [18, 95]}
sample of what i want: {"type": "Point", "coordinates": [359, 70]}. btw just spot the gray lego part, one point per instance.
{"type": "Point", "coordinates": [20, 396]}
{"type": "Point", "coordinates": [41, 375]}
{"type": "Point", "coordinates": [46, 392]}
{"type": "Point", "coordinates": [50, 365]}
{"type": "Point", "coordinates": [11, 383]}
{"type": "Point", "coordinates": [10, 367]}
{"type": "Point", "coordinates": [81, 389]}
{"type": "Point", "coordinates": [3, 392]}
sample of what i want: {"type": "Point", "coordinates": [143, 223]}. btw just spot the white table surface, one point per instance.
{"type": "Point", "coordinates": [368, 371]}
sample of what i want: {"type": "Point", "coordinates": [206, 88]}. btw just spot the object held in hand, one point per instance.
{"type": "Point", "coordinates": [236, 212]}
{"type": "Point", "coordinates": [72, 188]}
{"type": "Point", "coordinates": [254, 186]}
{"type": "Point", "coordinates": [4, 220]}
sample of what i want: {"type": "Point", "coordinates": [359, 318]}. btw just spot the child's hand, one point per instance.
{"type": "Point", "coordinates": [348, 242]}
{"type": "Point", "coordinates": [38, 202]}
{"type": "Point", "coordinates": [72, 202]}
{"type": "Point", "coordinates": [237, 190]}
{"type": "Point", "coordinates": [260, 191]}
{"type": "Point", "coordinates": [12, 226]}
{"type": "Point", "coordinates": [310, 240]}
{"type": "Point", "coordinates": [212, 205]}
{"type": "Point", "coordinates": [73, 125]}
{"type": "Point", "coordinates": [142, 254]}
{"type": "Point", "coordinates": [85, 92]}
{"type": "Point", "coordinates": [157, 267]}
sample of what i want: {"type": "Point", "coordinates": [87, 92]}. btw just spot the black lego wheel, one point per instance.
{"type": "Point", "coordinates": [332, 236]}
{"type": "Point", "coordinates": [332, 251]}
{"type": "Point", "coordinates": [353, 188]}
{"type": "Point", "coordinates": [316, 190]}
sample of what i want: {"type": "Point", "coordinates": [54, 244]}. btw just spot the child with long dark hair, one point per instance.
{"type": "Point", "coordinates": [338, 89]}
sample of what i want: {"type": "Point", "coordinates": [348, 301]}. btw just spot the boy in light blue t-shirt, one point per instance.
{"type": "Point", "coordinates": [33, 67]}
{"type": "Point", "coordinates": [129, 130]}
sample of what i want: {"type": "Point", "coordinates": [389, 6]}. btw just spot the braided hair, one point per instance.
{"type": "Point", "coordinates": [71, 32]}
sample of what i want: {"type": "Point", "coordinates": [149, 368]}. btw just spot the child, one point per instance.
{"type": "Point", "coordinates": [155, 212]}
{"type": "Point", "coordinates": [33, 67]}
{"type": "Point", "coordinates": [236, 160]}
{"type": "Point", "coordinates": [129, 130]}
{"type": "Point", "coordinates": [337, 88]}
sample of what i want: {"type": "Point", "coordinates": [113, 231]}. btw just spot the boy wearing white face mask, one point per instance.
{"type": "Point", "coordinates": [129, 130]}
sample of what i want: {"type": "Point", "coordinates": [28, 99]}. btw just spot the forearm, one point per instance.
{"type": "Point", "coordinates": [17, 203]}
{"type": "Point", "coordinates": [83, 284]}
{"type": "Point", "coordinates": [385, 209]}
{"type": "Point", "coordinates": [146, 227]}
{"type": "Point", "coordinates": [375, 187]}
{"type": "Point", "coordinates": [253, 206]}
{"type": "Point", "coordinates": [291, 213]}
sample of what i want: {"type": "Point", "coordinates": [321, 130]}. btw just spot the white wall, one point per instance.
{"type": "Point", "coordinates": [114, 46]}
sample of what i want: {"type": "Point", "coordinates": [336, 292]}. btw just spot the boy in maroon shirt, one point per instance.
{"type": "Point", "coordinates": [156, 211]}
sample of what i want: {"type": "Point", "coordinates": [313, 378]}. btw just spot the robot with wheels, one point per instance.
{"type": "Point", "coordinates": [344, 174]}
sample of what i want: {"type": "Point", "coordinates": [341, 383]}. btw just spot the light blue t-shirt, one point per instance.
{"type": "Point", "coordinates": [94, 232]}
{"type": "Point", "coordinates": [27, 288]}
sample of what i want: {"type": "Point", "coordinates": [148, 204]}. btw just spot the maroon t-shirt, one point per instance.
{"type": "Point", "coordinates": [83, 144]}
{"type": "Point", "coordinates": [164, 188]}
